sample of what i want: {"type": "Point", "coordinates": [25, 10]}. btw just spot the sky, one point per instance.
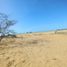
{"type": "Point", "coordinates": [36, 15]}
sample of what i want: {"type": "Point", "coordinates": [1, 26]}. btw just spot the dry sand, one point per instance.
{"type": "Point", "coordinates": [35, 50]}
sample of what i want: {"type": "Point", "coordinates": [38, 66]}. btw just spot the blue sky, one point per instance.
{"type": "Point", "coordinates": [36, 15]}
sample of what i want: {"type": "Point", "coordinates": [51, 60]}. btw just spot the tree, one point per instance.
{"type": "Point", "coordinates": [5, 24]}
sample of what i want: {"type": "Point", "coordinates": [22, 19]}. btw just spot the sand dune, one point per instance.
{"type": "Point", "coordinates": [34, 50]}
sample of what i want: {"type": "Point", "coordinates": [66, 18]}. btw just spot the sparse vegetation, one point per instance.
{"type": "Point", "coordinates": [5, 24]}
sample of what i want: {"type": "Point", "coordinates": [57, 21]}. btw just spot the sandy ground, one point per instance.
{"type": "Point", "coordinates": [35, 50]}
